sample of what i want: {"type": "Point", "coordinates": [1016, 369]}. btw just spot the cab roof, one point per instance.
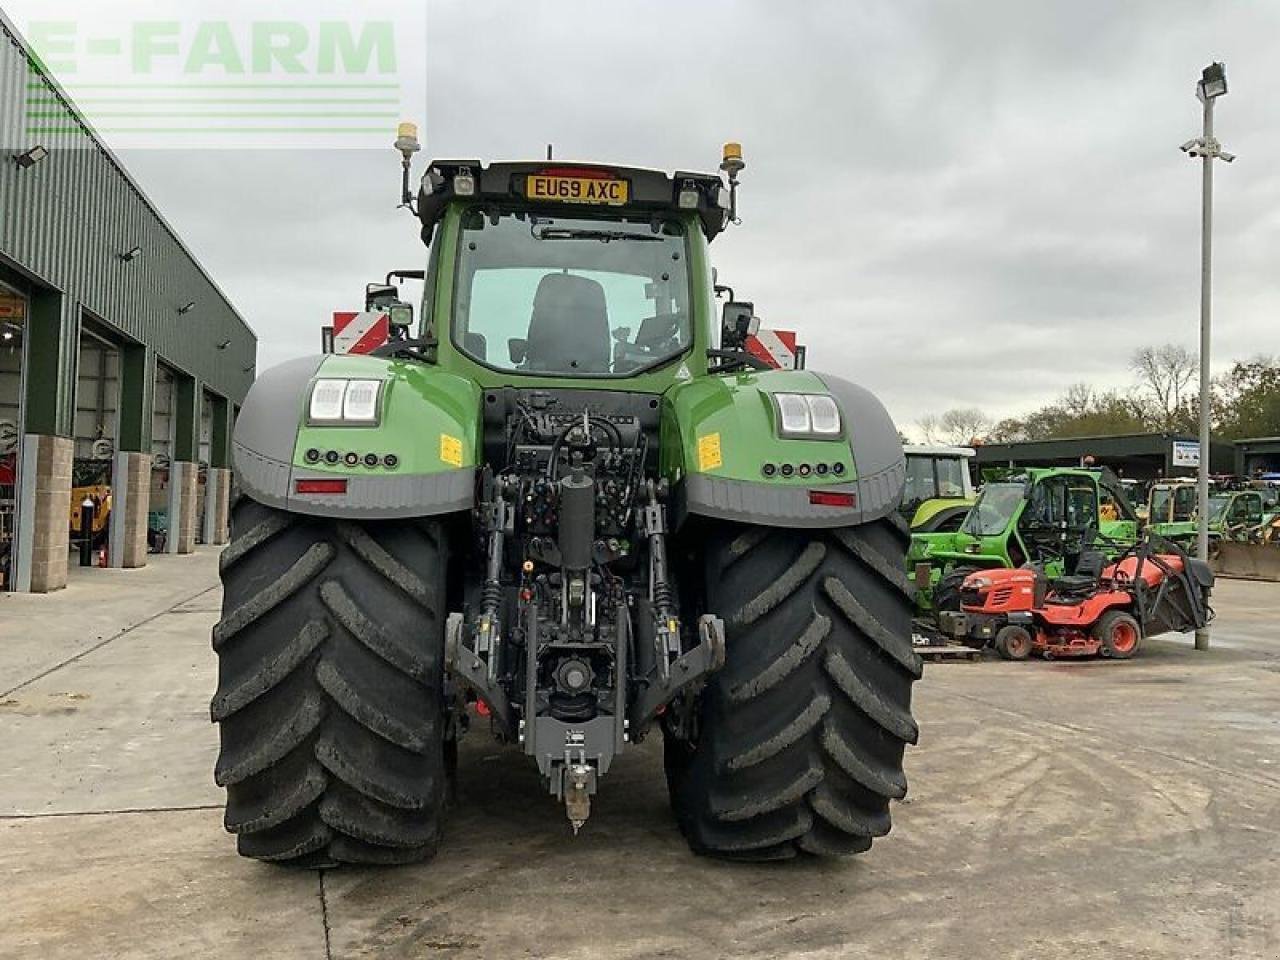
{"type": "Point", "coordinates": [507, 184]}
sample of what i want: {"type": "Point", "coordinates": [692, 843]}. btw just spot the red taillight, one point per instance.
{"type": "Point", "coordinates": [336, 485]}
{"type": "Point", "coordinates": [832, 498]}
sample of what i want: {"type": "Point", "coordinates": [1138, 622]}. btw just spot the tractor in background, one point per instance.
{"type": "Point", "coordinates": [939, 490]}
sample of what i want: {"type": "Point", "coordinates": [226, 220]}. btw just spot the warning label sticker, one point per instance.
{"type": "Point", "coordinates": [450, 450]}
{"type": "Point", "coordinates": [709, 452]}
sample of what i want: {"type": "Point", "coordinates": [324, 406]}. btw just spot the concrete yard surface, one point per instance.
{"type": "Point", "coordinates": [1057, 810]}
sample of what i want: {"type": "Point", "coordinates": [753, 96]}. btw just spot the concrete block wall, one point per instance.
{"type": "Point", "coordinates": [216, 505]}
{"type": "Point", "coordinates": [223, 528]}
{"type": "Point", "coordinates": [183, 475]}
{"type": "Point", "coordinates": [131, 499]}
{"type": "Point", "coordinates": [46, 509]}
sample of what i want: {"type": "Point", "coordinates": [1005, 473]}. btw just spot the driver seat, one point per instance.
{"type": "Point", "coordinates": [1088, 574]}
{"type": "Point", "coordinates": [569, 328]}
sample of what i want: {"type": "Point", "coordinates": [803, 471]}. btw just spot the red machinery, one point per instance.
{"type": "Point", "coordinates": [1101, 609]}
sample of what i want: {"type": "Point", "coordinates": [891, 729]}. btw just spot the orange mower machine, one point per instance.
{"type": "Point", "coordinates": [1102, 608]}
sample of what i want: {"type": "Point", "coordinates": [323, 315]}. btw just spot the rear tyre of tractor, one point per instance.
{"type": "Point", "coordinates": [330, 699]}
{"type": "Point", "coordinates": [1013, 642]}
{"type": "Point", "coordinates": [1119, 634]}
{"type": "Point", "coordinates": [800, 736]}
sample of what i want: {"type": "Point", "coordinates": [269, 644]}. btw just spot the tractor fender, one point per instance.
{"type": "Point", "coordinates": [428, 424]}
{"type": "Point", "coordinates": [723, 452]}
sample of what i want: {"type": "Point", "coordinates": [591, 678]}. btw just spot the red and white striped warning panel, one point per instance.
{"type": "Point", "coordinates": [775, 347]}
{"type": "Point", "coordinates": [360, 332]}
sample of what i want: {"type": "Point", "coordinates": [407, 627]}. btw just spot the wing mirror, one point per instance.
{"type": "Point", "coordinates": [737, 322]}
{"type": "Point", "coordinates": [517, 349]}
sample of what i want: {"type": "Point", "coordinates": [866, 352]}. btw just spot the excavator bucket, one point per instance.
{"type": "Point", "coordinates": [1248, 561]}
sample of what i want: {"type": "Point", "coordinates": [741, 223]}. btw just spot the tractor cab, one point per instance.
{"type": "Point", "coordinates": [939, 489]}
{"type": "Point", "coordinates": [574, 272]}
{"type": "Point", "coordinates": [1171, 503]}
{"type": "Point", "coordinates": [1236, 509]}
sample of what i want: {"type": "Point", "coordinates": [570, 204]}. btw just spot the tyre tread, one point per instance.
{"type": "Point", "coordinates": [329, 674]}
{"type": "Point", "coordinates": [801, 734]}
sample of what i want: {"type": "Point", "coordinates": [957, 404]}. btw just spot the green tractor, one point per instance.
{"type": "Point", "coordinates": [1045, 515]}
{"type": "Point", "coordinates": [571, 504]}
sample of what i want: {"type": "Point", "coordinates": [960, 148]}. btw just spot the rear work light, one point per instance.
{"type": "Point", "coordinates": [832, 498]}
{"type": "Point", "coordinates": [335, 485]}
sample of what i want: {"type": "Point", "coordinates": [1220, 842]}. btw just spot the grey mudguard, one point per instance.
{"type": "Point", "coordinates": [878, 461]}
{"type": "Point", "coordinates": [262, 453]}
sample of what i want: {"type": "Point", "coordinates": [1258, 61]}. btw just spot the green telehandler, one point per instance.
{"type": "Point", "coordinates": [568, 502]}
{"type": "Point", "coordinates": [1046, 516]}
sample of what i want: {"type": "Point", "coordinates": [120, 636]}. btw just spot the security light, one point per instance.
{"type": "Point", "coordinates": [29, 158]}
{"type": "Point", "coordinates": [1213, 81]}
{"type": "Point", "coordinates": [130, 255]}
{"type": "Point", "coordinates": [186, 307]}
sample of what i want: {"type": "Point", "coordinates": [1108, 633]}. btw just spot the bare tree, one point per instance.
{"type": "Point", "coordinates": [962, 425]}
{"type": "Point", "coordinates": [929, 429]}
{"type": "Point", "coordinates": [1165, 375]}
{"type": "Point", "coordinates": [1078, 400]}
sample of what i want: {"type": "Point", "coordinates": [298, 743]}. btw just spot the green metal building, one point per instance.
{"type": "Point", "coordinates": [121, 362]}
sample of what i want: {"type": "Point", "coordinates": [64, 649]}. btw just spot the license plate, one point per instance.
{"type": "Point", "coordinates": [556, 189]}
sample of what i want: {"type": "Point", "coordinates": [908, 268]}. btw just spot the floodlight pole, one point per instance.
{"type": "Point", "coordinates": [1207, 149]}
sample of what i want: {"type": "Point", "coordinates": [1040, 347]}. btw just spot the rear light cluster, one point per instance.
{"type": "Point", "coordinates": [321, 485]}
{"type": "Point", "coordinates": [803, 469]}
{"type": "Point", "coordinates": [352, 459]}
{"type": "Point", "coordinates": [833, 498]}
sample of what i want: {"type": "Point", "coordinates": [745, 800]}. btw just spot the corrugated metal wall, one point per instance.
{"type": "Point", "coordinates": [67, 220]}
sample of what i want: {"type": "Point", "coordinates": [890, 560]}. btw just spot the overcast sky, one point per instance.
{"type": "Point", "coordinates": [970, 203]}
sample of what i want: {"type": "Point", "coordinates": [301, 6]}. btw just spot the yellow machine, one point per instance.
{"type": "Point", "coordinates": [101, 495]}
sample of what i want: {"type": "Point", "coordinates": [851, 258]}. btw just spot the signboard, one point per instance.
{"type": "Point", "coordinates": [360, 332]}
{"type": "Point", "coordinates": [775, 347]}
{"type": "Point", "coordinates": [12, 306]}
{"type": "Point", "coordinates": [1186, 453]}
